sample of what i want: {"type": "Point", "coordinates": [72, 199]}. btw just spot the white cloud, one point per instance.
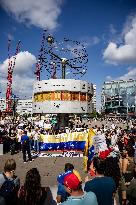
{"type": "Point", "coordinates": [40, 13]}
{"type": "Point", "coordinates": [23, 76]}
{"type": "Point", "coordinates": [130, 75]}
{"type": "Point", "coordinates": [9, 36]}
{"type": "Point", "coordinates": [124, 53]}
{"type": "Point", "coordinates": [108, 78]}
{"type": "Point", "coordinates": [112, 29]}
{"type": "Point", "coordinates": [24, 62]}
{"type": "Point", "coordinates": [90, 41]}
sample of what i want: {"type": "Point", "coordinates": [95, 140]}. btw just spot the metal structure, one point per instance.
{"type": "Point", "coordinates": [61, 58]}
{"type": "Point", "coordinates": [60, 91]}
{"type": "Point", "coordinates": [11, 66]}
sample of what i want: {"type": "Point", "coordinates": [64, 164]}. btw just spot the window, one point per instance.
{"type": "Point", "coordinates": [65, 95]}
{"type": "Point", "coordinates": [83, 97]}
{"type": "Point", "coordinates": [75, 96]}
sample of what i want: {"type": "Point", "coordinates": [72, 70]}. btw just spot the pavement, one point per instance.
{"type": "Point", "coordinates": [49, 168]}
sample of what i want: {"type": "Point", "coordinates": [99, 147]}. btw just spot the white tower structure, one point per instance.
{"type": "Point", "coordinates": [62, 96]}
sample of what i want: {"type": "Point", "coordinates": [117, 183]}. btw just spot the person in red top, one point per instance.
{"type": "Point", "coordinates": [126, 138]}
{"type": "Point", "coordinates": [105, 153]}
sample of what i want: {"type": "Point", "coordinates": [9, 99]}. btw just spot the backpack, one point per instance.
{"type": "Point", "coordinates": [7, 190]}
{"type": "Point", "coordinates": [131, 192]}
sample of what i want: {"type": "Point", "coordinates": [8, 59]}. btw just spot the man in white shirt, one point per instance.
{"type": "Point", "coordinates": [19, 134]}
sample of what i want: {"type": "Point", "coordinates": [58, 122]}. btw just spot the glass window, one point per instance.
{"type": "Point", "coordinates": [57, 95]}
{"type": "Point", "coordinates": [83, 97]}
{"type": "Point", "coordinates": [75, 96]}
{"type": "Point", "coordinates": [66, 95]}
{"type": "Point", "coordinates": [46, 96]}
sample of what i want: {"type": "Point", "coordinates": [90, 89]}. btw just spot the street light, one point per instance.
{"type": "Point", "coordinates": [63, 62]}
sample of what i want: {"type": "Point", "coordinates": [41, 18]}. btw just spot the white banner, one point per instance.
{"type": "Point", "coordinates": [99, 143]}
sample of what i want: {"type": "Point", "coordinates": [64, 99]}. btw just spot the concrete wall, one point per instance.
{"type": "Point", "coordinates": [63, 84]}
{"type": "Point", "coordinates": [62, 107]}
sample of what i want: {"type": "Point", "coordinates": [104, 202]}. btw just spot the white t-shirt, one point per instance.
{"type": "Point", "coordinates": [19, 134]}
{"type": "Point", "coordinates": [113, 139]}
{"type": "Point", "coordinates": [113, 126]}
{"type": "Point", "coordinates": [29, 134]}
{"type": "Point", "coordinates": [36, 135]}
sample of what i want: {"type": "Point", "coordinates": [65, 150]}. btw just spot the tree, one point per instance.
{"type": "Point", "coordinates": [95, 114]}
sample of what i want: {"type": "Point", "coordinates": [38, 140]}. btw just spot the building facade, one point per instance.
{"type": "Point", "coordinates": [21, 106]}
{"type": "Point", "coordinates": [62, 96]}
{"type": "Point", "coordinates": [119, 97]}
{"type": "Point", "coordinates": [24, 106]}
{"type": "Point", "coordinates": [94, 98]}
{"type": "Point", "coordinates": [2, 104]}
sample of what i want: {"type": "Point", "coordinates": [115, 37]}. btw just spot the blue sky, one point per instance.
{"type": "Point", "coordinates": [106, 27]}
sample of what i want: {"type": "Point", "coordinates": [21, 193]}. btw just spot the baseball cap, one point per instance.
{"type": "Point", "coordinates": [72, 180]}
{"type": "Point", "coordinates": [61, 177]}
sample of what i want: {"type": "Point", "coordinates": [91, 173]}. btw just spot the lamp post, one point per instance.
{"type": "Point", "coordinates": [63, 62]}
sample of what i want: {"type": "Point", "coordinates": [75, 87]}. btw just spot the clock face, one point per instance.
{"type": "Point", "coordinates": [67, 53]}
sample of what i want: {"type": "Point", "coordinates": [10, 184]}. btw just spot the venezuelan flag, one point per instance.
{"type": "Point", "coordinates": [71, 141]}
{"type": "Point", "coordinates": [89, 149]}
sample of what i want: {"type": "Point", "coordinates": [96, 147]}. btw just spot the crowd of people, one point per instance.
{"type": "Point", "coordinates": [111, 179]}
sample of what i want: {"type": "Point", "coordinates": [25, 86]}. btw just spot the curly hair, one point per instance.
{"type": "Point", "coordinates": [130, 150]}
{"type": "Point", "coordinates": [32, 186]}
{"type": "Point", "coordinates": [112, 169]}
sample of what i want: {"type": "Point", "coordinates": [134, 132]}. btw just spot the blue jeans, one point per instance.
{"type": "Point", "coordinates": [31, 144]}
{"type": "Point", "coordinates": [36, 145]}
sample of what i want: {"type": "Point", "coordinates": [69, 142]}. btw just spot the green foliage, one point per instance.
{"type": "Point", "coordinates": [95, 115]}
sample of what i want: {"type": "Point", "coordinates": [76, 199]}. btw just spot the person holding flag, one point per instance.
{"type": "Point", "coordinates": [89, 150]}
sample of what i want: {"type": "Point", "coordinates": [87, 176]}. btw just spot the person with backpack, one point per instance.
{"type": "Point", "coordinates": [9, 183]}
{"type": "Point", "coordinates": [32, 193]}
{"type": "Point", "coordinates": [131, 190]}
